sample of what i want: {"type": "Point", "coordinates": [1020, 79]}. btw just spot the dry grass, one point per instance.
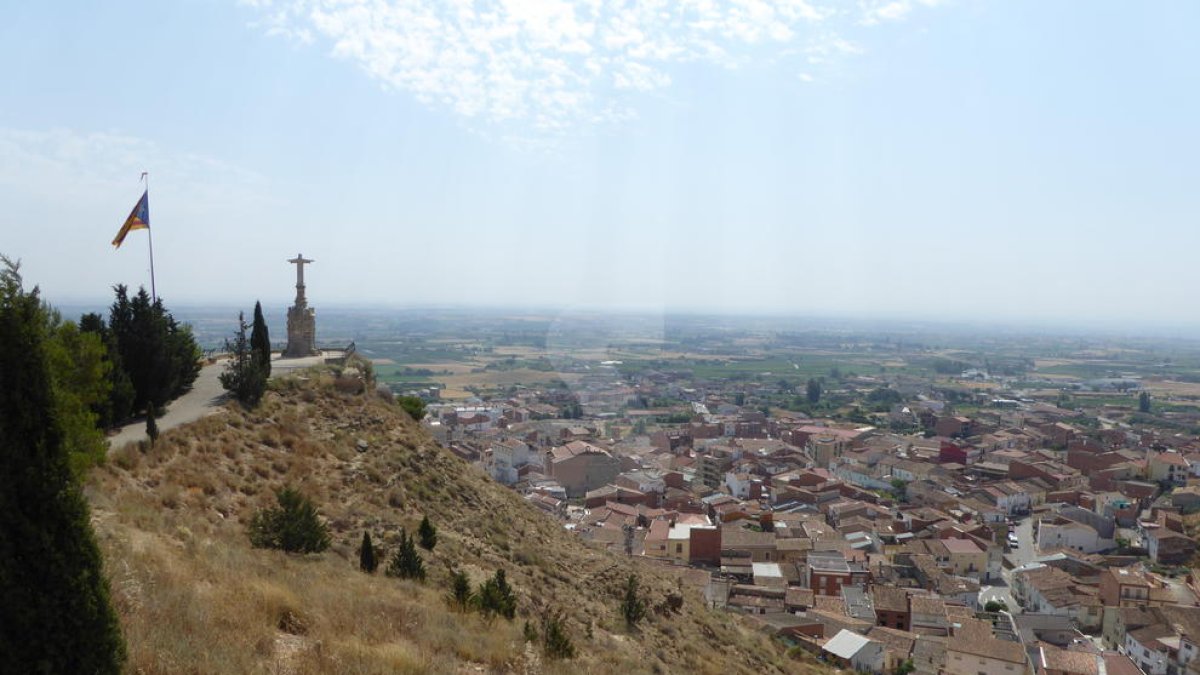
{"type": "Point", "coordinates": [194, 596]}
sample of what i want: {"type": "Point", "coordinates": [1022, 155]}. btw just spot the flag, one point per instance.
{"type": "Point", "coordinates": [139, 219]}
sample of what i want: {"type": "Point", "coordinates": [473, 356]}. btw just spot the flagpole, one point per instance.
{"type": "Point", "coordinates": [150, 238]}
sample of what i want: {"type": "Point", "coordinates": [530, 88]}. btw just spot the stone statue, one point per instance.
{"type": "Point", "coordinates": [302, 319]}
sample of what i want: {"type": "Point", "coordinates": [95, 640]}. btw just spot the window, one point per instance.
{"type": "Point", "coordinates": [679, 548]}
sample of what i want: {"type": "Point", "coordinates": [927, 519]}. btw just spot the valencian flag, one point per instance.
{"type": "Point", "coordinates": [139, 219]}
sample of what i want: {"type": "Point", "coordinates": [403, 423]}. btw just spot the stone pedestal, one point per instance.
{"type": "Point", "coordinates": [302, 332]}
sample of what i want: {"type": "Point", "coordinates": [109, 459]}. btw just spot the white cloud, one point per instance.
{"type": "Point", "coordinates": [47, 162]}
{"type": "Point", "coordinates": [554, 64]}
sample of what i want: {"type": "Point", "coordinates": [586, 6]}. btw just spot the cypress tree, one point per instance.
{"type": "Point", "coordinates": [244, 377]}
{"type": "Point", "coordinates": [428, 534]}
{"type": "Point", "coordinates": [367, 561]}
{"type": "Point", "coordinates": [407, 563]}
{"type": "Point", "coordinates": [57, 614]}
{"type": "Point", "coordinates": [633, 607]}
{"type": "Point", "coordinates": [460, 591]}
{"type": "Point", "coordinates": [260, 339]}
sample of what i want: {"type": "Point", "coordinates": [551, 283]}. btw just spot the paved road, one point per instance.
{"type": "Point", "coordinates": [1024, 553]}
{"type": "Point", "coordinates": [205, 398]}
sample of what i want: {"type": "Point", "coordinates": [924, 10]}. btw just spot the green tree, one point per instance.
{"type": "Point", "coordinates": [428, 534]}
{"type": "Point", "coordinates": [406, 563]}
{"type": "Point", "coordinates": [244, 377]}
{"type": "Point", "coordinates": [633, 606]}
{"type": "Point", "coordinates": [995, 606]}
{"type": "Point", "coordinates": [367, 560]}
{"type": "Point", "coordinates": [294, 526]}
{"type": "Point", "coordinates": [556, 644]}
{"type": "Point", "coordinates": [413, 405]}
{"type": "Point", "coordinates": [79, 373]}
{"type": "Point", "coordinates": [1144, 402]}
{"type": "Point", "coordinates": [906, 667]}
{"type": "Point", "coordinates": [56, 617]}
{"type": "Point", "coordinates": [813, 391]}
{"type": "Point", "coordinates": [119, 405]}
{"type": "Point", "coordinates": [495, 596]}
{"type": "Point", "coordinates": [160, 356]}
{"type": "Point", "coordinates": [461, 596]}
{"type": "Point", "coordinates": [260, 339]}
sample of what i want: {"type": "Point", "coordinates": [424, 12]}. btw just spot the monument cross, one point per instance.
{"type": "Point", "coordinates": [301, 319]}
{"type": "Point", "coordinates": [300, 261]}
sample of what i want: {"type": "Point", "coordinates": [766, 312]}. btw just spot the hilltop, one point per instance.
{"type": "Point", "coordinates": [193, 594]}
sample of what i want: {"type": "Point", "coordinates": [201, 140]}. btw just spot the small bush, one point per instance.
{"type": "Point", "coordinates": [556, 645]}
{"type": "Point", "coordinates": [413, 405]}
{"type": "Point", "coordinates": [294, 527]}
{"type": "Point", "coordinates": [428, 534]}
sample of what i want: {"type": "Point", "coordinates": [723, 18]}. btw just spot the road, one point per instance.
{"type": "Point", "coordinates": [1024, 553]}
{"type": "Point", "coordinates": [205, 397]}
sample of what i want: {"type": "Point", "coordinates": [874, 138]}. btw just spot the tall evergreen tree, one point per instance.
{"type": "Point", "coordinates": [56, 612]}
{"type": "Point", "coordinates": [160, 355]}
{"type": "Point", "coordinates": [260, 339]}
{"type": "Point", "coordinates": [367, 561]}
{"type": "Point", "coordinates": [244, 377]}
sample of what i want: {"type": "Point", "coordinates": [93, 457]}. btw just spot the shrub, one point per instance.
{"type": "Point", "coordinates": [428, 534]}
{"type": "Point", "coordinates": [496, 597]}
{"type": "Point", "coordinates": [294, 527]}
{"type": "Point", "coordinates": [461, 596]}
{"type": "Point", "coordinates": [633, 607]}
{"type": "Point", "coordinates": [556, 645]}
{"type": "Point", "coordinates": [413, 405]}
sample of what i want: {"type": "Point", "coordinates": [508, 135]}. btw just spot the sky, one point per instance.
{"type": "Point", "coordinates": [932, 159]}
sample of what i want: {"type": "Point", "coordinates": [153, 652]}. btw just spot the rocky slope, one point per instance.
{"type": "Point", "coordinates": [195, 596]}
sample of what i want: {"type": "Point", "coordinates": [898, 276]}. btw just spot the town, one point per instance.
{"type": "Point", "coordinates": [914, 509]}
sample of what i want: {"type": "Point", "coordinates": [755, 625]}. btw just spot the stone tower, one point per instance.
{"type": "Point", "coordinates": [302, 319]}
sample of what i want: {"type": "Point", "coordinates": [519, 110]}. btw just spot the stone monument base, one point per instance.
{"type": "Point", "coordinates": [302, 333]}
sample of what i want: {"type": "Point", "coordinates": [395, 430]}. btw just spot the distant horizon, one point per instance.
{"type": "Point", "coordinates": [824, 321]}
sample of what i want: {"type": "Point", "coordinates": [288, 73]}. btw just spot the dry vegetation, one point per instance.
{"type": "Point", "coordinates": [194, 596]}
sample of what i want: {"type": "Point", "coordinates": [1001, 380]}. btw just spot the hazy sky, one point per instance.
{"type": "Point", "coordinates": [926, 158]}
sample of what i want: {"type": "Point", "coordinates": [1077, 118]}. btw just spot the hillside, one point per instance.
{"type": "Point", "coordinates": [194, 595]}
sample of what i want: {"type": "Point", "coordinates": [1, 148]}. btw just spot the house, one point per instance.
{"type": "Point", "coordinates": [850, 650]}
{"type": "Point", "coordinates": [1067, 533]}
{"type": "Point", "coordinates": [580, 466]}
{"type": "Point", "coordinates": [1167, 468]}
{"type": "Point", "coordinates": [891, 607]}
{"type": "Point", "coordinates": [975, 655]}
{"type": "Point", "coordinates": [829, 572]}
{"type": "Point", "coordinates": [1167, 547]}
{"type": "Point", "coordinates": [1124, 587]}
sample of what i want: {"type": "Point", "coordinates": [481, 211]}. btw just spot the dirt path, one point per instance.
{"type": "Point", "coordinates": [205, 398]}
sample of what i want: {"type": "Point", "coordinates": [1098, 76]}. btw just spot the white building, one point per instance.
{"type": "Point", "coordinates": [1065, 533]}
{"type": "Point", "coordinates": [504, 459]}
